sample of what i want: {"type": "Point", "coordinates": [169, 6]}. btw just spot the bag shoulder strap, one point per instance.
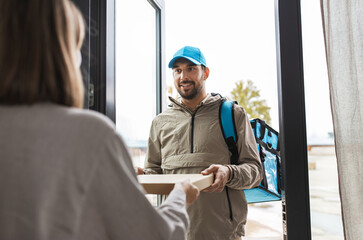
{"type": "Point", "coordinates": [226, 120]}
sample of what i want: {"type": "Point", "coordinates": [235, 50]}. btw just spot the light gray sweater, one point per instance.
{"type": "Point", "coordinates": [66, 174]}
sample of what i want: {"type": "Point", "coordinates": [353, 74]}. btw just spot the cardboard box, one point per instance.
{"type": "Point", "coordinates": [164, 183]}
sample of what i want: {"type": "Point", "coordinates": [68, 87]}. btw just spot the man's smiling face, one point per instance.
{"type": "Point", "coordinates": [189, 79]}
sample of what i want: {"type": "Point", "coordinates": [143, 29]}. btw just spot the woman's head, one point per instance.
{"type": "Point", "coordinates": [39, 40]}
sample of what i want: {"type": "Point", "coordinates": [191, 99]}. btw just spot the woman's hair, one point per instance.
{"type": "Point", "coordinates": [39, 40]}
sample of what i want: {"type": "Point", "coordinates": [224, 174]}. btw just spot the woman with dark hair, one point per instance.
{"type": "Point", "coordinates": [64, 171]}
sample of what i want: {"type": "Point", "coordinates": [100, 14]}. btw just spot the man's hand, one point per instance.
{"type": "Point", "coordinates": [221, 175]}
{"type": "Point", "coordinates": [139, 171]}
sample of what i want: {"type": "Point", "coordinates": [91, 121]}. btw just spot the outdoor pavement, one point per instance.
{"type": "Point", "coordinates": [264, 220]}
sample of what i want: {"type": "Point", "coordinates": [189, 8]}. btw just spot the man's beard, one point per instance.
{"type": "Point", "coordinates": [190, 94]}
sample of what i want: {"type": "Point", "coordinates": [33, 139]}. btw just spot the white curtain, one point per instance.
{"type": "Point", "coordinates": [343, 31]}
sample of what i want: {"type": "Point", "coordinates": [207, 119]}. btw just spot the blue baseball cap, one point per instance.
{"type": "Point", "coordinates": [193, 54]}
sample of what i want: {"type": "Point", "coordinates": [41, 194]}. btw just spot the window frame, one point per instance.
{"type": "Point", "coordinates": [292, 121]}
{"type": "Point", "coordinates": [98, 54]}
{"type": "Point", "coordinates": [158, 5]}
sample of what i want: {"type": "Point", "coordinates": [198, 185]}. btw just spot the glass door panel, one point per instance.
{"type": "Point", "coordinates": [135, 73]}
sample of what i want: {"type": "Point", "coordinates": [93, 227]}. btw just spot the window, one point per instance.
{"type": "Point", "coordinates": [137, 67]}
{"type": "Point", "coordinates": [325, 214]}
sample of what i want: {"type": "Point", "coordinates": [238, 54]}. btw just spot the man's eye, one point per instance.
{"type": "Point", "coordinates": [191, 68]}
{"type": "Point", "coordinates": [177, 71]}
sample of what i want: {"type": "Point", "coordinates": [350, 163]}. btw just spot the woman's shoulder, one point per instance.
{"type": "Point", "coordinates": [84, 120]}
{"type": "Point", "coordinates": [59, 117]}
{"type": "Point", "coordinates": [86, 116]}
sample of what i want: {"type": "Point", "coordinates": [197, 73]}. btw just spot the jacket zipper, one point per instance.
{"type": "Point", "coordinates": [192, 123]}
{"type": "Point", "coordinates": [229, 205]}
{"type": "Point", "coordinates": [192, 150]}
{"type": "Point", "coordinates": [192, 133]}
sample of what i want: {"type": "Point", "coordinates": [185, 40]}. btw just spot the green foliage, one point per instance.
{"type": "Point", "coordinates": [248, 96]}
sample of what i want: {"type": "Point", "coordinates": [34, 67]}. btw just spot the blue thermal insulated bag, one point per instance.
{"type": "Point", "coordinates": [268, 146]}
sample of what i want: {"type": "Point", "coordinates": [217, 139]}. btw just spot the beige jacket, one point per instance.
{"type": "Point", "coordinates": [182, 141]}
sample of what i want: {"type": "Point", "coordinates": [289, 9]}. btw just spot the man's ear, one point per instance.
{"type": "Point", "coordinates": [206, 73]}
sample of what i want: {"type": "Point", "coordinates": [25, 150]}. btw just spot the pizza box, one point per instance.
{"type": "Point", "coordinates": [164, 183]}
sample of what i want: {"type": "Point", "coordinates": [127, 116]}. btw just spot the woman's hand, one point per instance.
{"type": "Point", "coordinates": [191, 191]}
{"type": "Point", "coordinates": [139, 171]}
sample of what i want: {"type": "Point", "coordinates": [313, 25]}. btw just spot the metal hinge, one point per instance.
{"type": "Point", "coordinates": [91, 95]}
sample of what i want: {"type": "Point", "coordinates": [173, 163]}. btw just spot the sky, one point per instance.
{"type": "Point", "coordinates": [238, 41]}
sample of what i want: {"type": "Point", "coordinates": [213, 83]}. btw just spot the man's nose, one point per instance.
{"type": "Point", "coordinates": [183, 75]}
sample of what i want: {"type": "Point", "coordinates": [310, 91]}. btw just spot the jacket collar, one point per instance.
{"type": "Point", "coordinates": [211, 98]}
